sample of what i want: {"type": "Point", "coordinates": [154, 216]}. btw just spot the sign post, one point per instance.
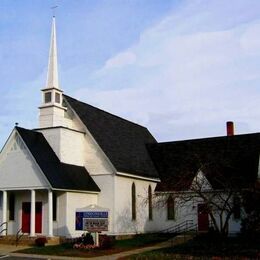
{"type": "Point", "coordinates": [93, 219]}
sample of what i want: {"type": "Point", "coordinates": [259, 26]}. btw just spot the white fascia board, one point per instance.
{"type": "Point", "coordinates": [92, 138]}
{"type": "Point", "coordinates": [77, 191]}
{"type": "Point", "coordinates": [22, 189]}
{"type": "Point", "coordinates": [138, 177]}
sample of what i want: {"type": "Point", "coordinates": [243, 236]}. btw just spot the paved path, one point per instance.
{"type": "Point", "coordinates": [133, 252]}
{"type": "Point", "coordinates": [6, 252]}
{"type": "Point", "coordinates": [6, 249]}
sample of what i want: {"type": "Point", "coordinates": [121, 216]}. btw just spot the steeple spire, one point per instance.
{"type": "Point", "coordinates": [52, 109]}
{"type": "Point", "coordinates": [52, 75]}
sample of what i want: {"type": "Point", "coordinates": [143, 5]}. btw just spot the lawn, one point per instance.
{"type": "Point", "coordinates": [207, 247]}
{"type": "Point", "coordinates": [118, 246]}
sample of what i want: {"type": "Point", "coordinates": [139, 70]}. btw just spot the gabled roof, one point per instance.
{"type": "Point", "coordinates": [123, 142]}
{"type": "Point", "coordinates": [222, 159]}
{"type": "Point", "coordinates": [60, 175]}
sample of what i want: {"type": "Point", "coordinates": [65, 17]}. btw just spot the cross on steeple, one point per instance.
{"type": "Point", "coordinates": [53, 10]}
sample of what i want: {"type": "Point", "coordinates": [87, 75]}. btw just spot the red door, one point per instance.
{"type": "Point", "coordinates": [26, 217]}
{"type": "Point", "coordinates": [203, 218]}
{"type": "Point", "coordinates": [26, 212]}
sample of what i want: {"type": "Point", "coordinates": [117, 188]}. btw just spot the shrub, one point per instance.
{"type": "Point", "coordinates": [87, 239]}
{"type": "Point", "coordinates": [40, 241]}
{"type": "Point", "coordinates": [106, 242]}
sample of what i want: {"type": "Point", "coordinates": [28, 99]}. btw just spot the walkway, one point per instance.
{"type": "Point", "coordinates": [6, 249]}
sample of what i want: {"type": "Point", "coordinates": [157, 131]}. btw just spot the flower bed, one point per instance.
{"type": "Point", "coordinates": [82, 246]}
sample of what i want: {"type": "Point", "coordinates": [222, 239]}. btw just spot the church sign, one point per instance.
{"type": "Point", "coordinates": [92, 219]}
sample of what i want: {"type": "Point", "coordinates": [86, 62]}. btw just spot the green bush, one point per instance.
{"type": "Point", "coordinates": [40, 241]}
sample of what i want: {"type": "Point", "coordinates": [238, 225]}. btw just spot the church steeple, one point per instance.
{"type": "Point", "coordinates": [51, 110]}
{"type": "Point", "coordinates": [52, 75]}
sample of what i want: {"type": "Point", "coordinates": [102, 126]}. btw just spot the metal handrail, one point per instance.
{"type": "Point", "coordinates": [19, 235]}
{"type": "Point", "coordinates": [4, 229]}
{"type": "Point", "coordinates": [184, 226]}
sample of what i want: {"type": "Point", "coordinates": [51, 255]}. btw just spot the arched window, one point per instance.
{"type": "Point", "coordinates": [133, 202]}
{"type": "Point", "coordinates": [150, 205]}
{"type": "Point", "coordinates": [170, 208]}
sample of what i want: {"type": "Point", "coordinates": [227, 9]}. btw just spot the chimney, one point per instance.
{"type": "Point", "coordinates": [230, 128]}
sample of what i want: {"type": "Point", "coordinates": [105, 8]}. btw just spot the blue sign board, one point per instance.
{"type": "Point", "coordinates": [89, 215]}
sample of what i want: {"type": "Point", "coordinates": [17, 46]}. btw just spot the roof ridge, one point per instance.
{"type": "Point", "coordinates": [108, 112]}
{"type": "Point", "coordinates": [208, 138]}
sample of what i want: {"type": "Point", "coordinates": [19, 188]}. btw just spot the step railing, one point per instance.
{"type": "Point", "coordinates": [18, 237]}
{"type": "Point", "coordinates": [4, 228]}
{"type": "Point", "coordinates": [182, 227]}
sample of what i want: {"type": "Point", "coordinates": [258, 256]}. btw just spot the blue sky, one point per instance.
{"type": "Point", "coordinates": [180, 68]}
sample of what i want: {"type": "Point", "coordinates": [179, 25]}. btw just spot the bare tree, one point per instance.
{"type": "Point", "coordinates": [218, 191]}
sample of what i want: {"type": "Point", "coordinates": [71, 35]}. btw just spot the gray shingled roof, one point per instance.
{"type": "Point", "coordinates": [227, 159]}
{"type": "Point", "coordinates": [60, 175]}
{"type": "Point", "coordinates": [123, 142]}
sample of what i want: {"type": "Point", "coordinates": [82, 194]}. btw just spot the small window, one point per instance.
{"type": "Point", "coordinates": [150, 205]}
{"type": "Point", "coordinates": [133, 202]}
{"type": "Point", "coordinates": [237, 208]}
{"type": "Point", "coordinates": [54, 206]}
{"type": "Point", "coordinates": [11, 206]}
{"type": "Point", "coordinates": [57, 97]}
{"type": "Point", "coordinates": [47, 97]}
{"type": "Point", "coordinates": [170, 208]}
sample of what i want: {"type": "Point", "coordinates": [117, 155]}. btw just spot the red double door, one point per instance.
{"type": "Point", "coordinates": [26, 217]}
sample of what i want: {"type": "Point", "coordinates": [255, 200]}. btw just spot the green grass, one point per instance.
{"type": "Point", "coordinates": [205, 247]}
{"type": "Point", "coordinates": [119, 246]}
{"type": "Point", "coordinates": [141, 240]}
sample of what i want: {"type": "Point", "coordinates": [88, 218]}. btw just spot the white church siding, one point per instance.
{"type": "Point", "coordinates": [107, 199]}
{"type": "Point", "coordinates": [51, 116]}
{"type": "Point", "coordinates": [60, 225]}
{"type": "Point", "coordinates": [77, 148]}
{"type": "Point", "coordinates": [18, 168]}
{"type": "Point", "coordinates": [96, 162]}
{"type": "Point", "coordinates": [184, 212]}
{"type": "Point", "coordinates": [74, 201]}
{"type": "Point", "coordinates": [63, 141]}
{"type": "Point", "coordinates": [123, 206]}
{"type": "Point", "coordinates": [52, 135]}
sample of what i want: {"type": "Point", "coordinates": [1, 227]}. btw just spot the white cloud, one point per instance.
{"type": "Point", "coordinates": [250, 41]}
{"type": "Point", "coordinates": [121, 60]}
{"type": "Point", "coordinates": [188, 75]}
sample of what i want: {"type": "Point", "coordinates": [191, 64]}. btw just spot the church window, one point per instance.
{"type": "Point", "coordinates": [170, 208]}
{"type": "Point", "coordinates": [237, 208]}
{"type": "Point", "coordinates": [133, 202]}
{"type": "Point", "coordinates": [47, 97]}
{"type": "Point", "coordinates": [11, 206]}
{"type": "Point", "coordinates": [54, 207]}
{"type": "Point", "coordinates": [150, 205]}
{"type": "Point", "coordinates": [57, 97]}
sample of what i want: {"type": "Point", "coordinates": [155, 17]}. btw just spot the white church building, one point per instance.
{"type": "Point", "coordinates": [82, 158]}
